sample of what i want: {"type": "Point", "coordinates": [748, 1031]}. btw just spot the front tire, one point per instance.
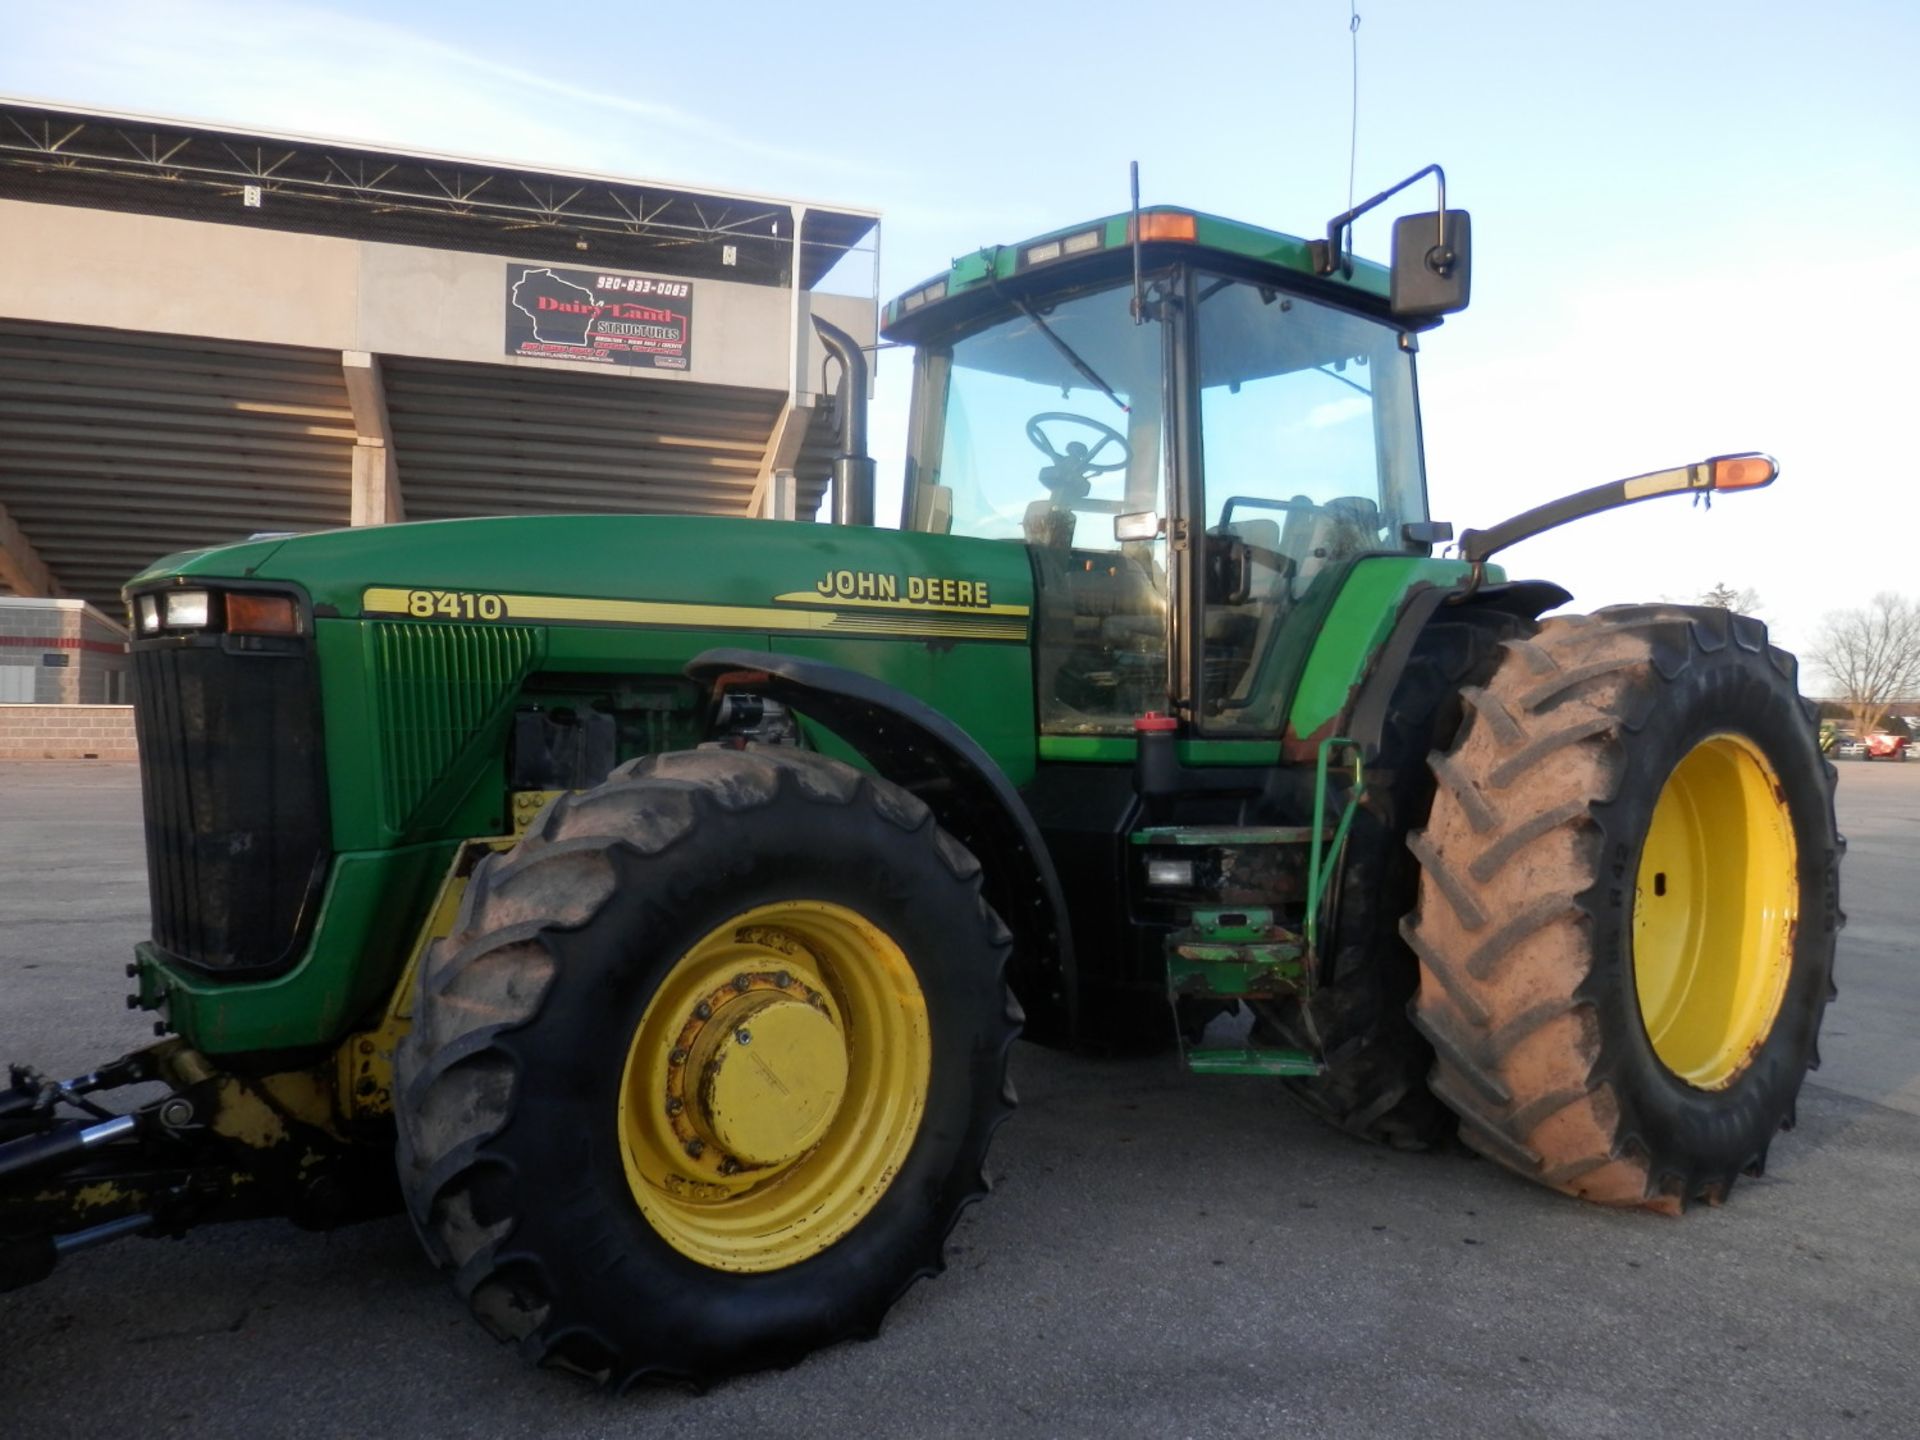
{"type": "Point", "coordinates": [708, 1068]}
{"type": "Point", "coordinates": [1628, 905]}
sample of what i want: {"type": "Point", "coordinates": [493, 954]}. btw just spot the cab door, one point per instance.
{"type": "Point", "coordinates": [1309, 459]}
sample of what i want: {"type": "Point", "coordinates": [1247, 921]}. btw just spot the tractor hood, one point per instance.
{"type": "Point", "coordinates": [704, 571]}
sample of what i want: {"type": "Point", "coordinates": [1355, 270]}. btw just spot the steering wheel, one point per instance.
{"type": "Point", "coordinates": [1068, 476]}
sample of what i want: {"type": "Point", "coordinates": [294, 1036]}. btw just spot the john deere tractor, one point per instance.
{"type": "Point", "coordinates": [649, 904]}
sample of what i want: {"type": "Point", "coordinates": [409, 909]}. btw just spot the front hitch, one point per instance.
{"type": "Point", "coordinates": [214, 1146]}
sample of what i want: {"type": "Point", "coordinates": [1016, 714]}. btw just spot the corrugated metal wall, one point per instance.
{"type": "Point", "coordinates": [481, 440]}
{"type": "Point", "coordinates": [117, 447]}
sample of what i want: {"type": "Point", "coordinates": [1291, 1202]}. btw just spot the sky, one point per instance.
{"type": "Point", "coordinates": [1696, 225]}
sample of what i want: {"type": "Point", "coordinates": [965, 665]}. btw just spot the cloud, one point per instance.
{"type": "Point", "coordinates": [307, 67]}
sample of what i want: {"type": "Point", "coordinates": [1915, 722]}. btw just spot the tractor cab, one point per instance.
{"type": "Point", "coordinates": [1196, 436]}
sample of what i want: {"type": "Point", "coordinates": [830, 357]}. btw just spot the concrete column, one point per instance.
{"type": "Point", "coordinates": [783, 449]}
{"type": "Point", "coordinates": [21, 568]}
{"type": "Point", "coordinates": [376, 496]}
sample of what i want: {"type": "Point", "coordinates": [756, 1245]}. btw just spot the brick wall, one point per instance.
{"type": "Point", "coordinates": [67, 732]}
{"type": "Point", "coordinates": [60, 652]}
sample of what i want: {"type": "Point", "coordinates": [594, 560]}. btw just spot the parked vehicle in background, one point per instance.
{"type": "Point", "coordinates": [1882, 746]}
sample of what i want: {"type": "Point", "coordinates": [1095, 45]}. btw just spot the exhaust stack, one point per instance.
{"type": "Point", "coordinates": [852, 467]}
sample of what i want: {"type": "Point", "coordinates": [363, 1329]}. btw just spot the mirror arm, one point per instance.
{"type": "Point", "coordinates": [1332, 251]}
{"type": "Point", "coordinates": [1723, 472]}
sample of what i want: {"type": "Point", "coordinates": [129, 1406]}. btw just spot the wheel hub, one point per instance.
{"type": "Point", "coordinates": [774, 1085]}
{"type": "Point", "coordinates": [769, 1072]}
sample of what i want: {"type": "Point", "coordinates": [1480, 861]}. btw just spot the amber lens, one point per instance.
{"type": "Point", "coordinates": [1743, 472]}
{"type": "Point", "coordinates": [262, 615]}
{"type": "Point", "coordinates": [1167, 227]}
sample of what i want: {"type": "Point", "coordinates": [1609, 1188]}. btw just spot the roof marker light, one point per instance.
{"type": "Point", "coordinates": [1159, 225]}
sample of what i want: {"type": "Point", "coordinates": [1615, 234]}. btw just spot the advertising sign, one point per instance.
{"type": "Point", "coordinates": [556, 314]}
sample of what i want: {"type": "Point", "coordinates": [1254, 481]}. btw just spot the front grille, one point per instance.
{"type": "Point", "coordinates": [436, 687]}
{"type": "Point", "coordinates": [234, 790]}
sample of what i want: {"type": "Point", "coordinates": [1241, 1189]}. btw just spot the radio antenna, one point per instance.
{"type": "Point", "coordinates": [1133, 231]}
{"type": "Point", "coordinates": [1353, 125]}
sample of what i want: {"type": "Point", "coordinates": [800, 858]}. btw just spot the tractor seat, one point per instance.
{"type": "Point", "coordinates": [1329, 535]}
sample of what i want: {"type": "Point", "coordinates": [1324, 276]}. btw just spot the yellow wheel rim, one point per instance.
{"type": "Point", "coordinates": [1714, 908]}
{"type": "Point", "coordinates": [774, 1086]}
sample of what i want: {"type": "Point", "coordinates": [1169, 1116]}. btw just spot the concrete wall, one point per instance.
{"type": "Point", "coordinates": [60, 652]}
{"type": "Point", "coordinates": [76, 266]}
{"type": "Point", "coordinates": [67, 732]}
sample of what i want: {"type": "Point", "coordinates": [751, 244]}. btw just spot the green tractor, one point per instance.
{"type": "Point", "coordinates": [666, 893]}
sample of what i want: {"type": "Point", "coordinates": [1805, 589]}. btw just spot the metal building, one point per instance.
{"type": "Point", "coordinates": [207, 333]}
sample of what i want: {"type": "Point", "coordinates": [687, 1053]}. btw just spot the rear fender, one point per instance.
{"type": "Point", "coordinates": [1527, 599]}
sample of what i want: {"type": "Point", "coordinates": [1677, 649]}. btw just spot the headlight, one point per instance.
{"type": "Point", "coordinates": [186, 609]}
{"type": "Point", "coordinates": [149, 614]}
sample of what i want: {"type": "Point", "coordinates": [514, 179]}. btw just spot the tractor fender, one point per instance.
{"type": "Point", "coordinates": [1527, 599]}
{"type": "Point", "coordinates": [916, 747]}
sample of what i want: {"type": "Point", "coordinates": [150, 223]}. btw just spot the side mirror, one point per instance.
{"type": "Point", "coordinates": [1432, 264]}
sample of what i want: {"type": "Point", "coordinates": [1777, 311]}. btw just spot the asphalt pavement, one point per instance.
{"type": "Point", "coordinates": [1163, 1255]}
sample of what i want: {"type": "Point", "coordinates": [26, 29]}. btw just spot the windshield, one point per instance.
{"type": "Point", "coordinates": [1043, 429]}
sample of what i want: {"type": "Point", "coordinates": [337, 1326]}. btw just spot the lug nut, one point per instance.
{"type": "Point", "coordinates": [742, 983]}
{"type": "Point", "coordinates": [675, 1105]}
{"type": "Point", "coordinates": [695, 1148]}
{"type": "Point", "coordinates": [703, 1011]}
{"type": "Point", "coordinates": [783, 980]}
{"type": "Point", "coordinates": [676, 1056]}
{"type": "Point", "coordinates": [729, 1166]}
{"type": "Point", "coordinates": [742, 1036]}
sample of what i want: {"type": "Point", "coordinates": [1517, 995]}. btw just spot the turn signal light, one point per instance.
{"type": "Point", "coordinates": [1743, 472]}
{"type": "Point", "coordinates": [262, 615]}
{"type": "Point", "coordinates": [1157, 225]}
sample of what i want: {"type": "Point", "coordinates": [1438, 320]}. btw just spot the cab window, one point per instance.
{"type": "Point", "coordinates": [1050, 427]}
{"type": "Point", "coordinates": [1311, 456]}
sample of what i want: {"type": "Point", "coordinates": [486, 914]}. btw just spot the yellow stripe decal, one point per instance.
{"type": "Point", "coordinates": [1660, 482]}
{"type": "Point", "coordinates": [993, 622]}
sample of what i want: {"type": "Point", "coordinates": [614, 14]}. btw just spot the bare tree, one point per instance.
{"type": "Point", "coordinates": [1872, 656]}
{"type": "Point", "coordinates": [1723, 596]}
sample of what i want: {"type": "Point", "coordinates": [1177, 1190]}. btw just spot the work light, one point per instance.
{"type": "Point", "coordinates": [186, 609]}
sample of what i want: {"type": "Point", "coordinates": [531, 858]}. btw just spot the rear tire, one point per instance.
{"type": "Point", "coordinates": [541, 1135]}
{"type": "Point", "coordinates": [1629, 904]}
